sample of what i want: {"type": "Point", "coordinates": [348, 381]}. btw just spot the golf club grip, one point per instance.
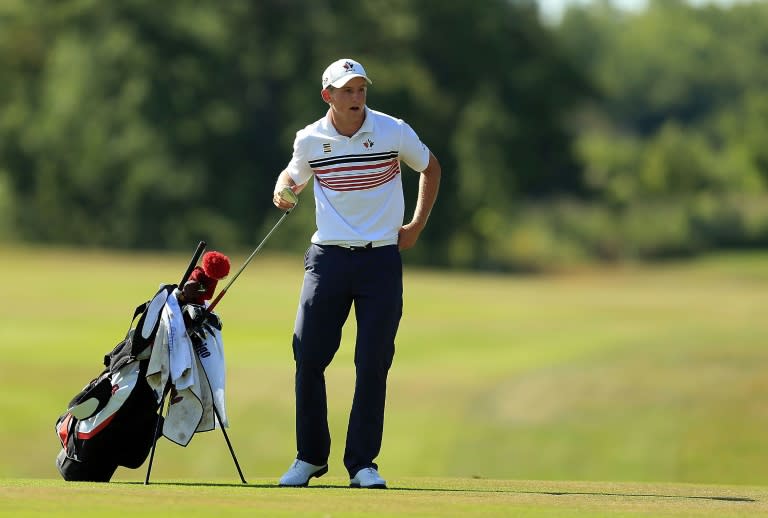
{"type": "Point", "coordinates": [195, 257]}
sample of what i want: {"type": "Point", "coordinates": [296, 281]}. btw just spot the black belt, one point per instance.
{"type": "Point", "coordinates": [357, 248]}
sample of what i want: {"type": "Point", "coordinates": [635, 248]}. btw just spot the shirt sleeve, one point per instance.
{"type": "Point", "coordinates": [412, 150]}
{"type": "Point", "coordinates": [298, 168]}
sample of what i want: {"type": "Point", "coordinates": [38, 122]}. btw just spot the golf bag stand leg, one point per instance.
{"type": "Point", "coordinates": [157, 434]}
{"type": "Point", "coordinates": [229, 444]}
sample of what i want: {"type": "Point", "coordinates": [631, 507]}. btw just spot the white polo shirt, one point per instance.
{"type": "Point", "coordinates": [357, 183]}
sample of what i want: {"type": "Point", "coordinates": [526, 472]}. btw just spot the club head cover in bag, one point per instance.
{"type": "Point", "coordinates": [203, 280]}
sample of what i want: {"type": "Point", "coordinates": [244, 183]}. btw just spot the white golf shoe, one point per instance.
{"type": "Point", "coordinates": [300, 472]}
{"type": "Point", "coordinates": [368, 478]}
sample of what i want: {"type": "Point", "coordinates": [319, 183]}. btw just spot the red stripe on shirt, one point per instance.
{"type": "Point", "coordinates": [360, 183]}
{"type": "Point", "coordinates": [353, 178]}
{"type": "Point", "coordinates": [388, 163]}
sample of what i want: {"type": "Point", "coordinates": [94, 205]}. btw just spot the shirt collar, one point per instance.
{"type": "Point", "coordinates": [367, 127]}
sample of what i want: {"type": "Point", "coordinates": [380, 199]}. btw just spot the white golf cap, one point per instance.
{"type": "Point", "coordinates": [340, 72]}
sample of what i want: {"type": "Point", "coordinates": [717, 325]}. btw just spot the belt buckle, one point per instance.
{"type": "Point", "coordinates": [365, 247]}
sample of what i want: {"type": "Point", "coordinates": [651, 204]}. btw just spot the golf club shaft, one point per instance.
{"type": "Point", "coordinates": [247, 261]}
{"type": "Point", "coordinates": [192, 263]}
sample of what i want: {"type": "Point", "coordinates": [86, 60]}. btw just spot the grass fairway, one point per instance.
{"type": "Point", "coordinates": [412, 497]}
{"type": "Point", "coordinates": [638, 375]}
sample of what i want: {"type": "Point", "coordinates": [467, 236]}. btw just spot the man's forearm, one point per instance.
{"type": "Point", "coordinates": [283, 180]}
{"type": "Point", "coordinates": [429, 184]}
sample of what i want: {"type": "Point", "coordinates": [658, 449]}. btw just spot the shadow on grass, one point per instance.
{"type": "Point", "coordinates": [199, 484]}
{"type": "Point", "coordinates": [644, 495]}
{"type": "Point", "coordinates": [448, 490]}
{"type": "Point", "coordinates": [582, 493]}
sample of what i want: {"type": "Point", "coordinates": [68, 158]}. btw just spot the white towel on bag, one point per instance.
{"type": "Point", "coordinates": [197, 378]}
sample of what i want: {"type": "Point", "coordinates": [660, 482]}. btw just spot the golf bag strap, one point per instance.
{"type": "Point", "coordinates": [108, 358]}
{"type": "Point", "coordinates": [139, 310]}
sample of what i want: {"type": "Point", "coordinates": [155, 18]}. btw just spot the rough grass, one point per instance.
{"type": "Point", "coordinates": [636, 374]}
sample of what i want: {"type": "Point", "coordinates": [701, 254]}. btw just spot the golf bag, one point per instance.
{"type": "Point", "coordinates": [112, 421]}
{"type": "Point", "coordinates": [176, 348]}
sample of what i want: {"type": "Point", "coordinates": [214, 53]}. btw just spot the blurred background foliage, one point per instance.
{"type": "Point", "coordinates": [607, 136]}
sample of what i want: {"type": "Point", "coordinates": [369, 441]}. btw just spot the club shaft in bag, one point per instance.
{"type": "Point", "coordinates": [192, 263]}
{"type": "Point", "coordinates": [247, 261]}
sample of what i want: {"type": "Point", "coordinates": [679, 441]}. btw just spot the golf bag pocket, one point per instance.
{"type": "Point", "coordinates": [119, 433]}
{"type": "Point", "coordinates": [92, 399]}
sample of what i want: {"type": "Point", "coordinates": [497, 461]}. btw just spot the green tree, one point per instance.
{"type": "Point", "coordinates": [145, 124]}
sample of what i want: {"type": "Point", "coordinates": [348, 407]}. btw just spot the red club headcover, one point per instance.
{"type": "Point", "coordinates": [215, 267]}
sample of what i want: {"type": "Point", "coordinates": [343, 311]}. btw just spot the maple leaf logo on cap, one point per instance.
{"type": "Point", "coordinates": [341, 71]}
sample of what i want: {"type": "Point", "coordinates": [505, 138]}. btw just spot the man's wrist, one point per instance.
{"type": "Point", "coordinates": [417, 225]}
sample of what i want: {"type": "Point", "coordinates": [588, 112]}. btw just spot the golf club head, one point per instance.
{"type": "Point", "coordinates": [288, 195]}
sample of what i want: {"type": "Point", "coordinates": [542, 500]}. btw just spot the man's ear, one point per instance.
{"type": "Point", "coordinates": [326, 95]}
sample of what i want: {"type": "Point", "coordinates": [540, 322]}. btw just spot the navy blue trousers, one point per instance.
{"type": "Point", "coordinates": [334, 279]}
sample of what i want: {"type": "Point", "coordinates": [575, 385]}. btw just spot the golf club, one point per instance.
{"type": "Point", "coordinates": [287, 194]}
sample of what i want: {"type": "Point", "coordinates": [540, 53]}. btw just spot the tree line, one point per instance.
{"type": "Point", "coordinates": [611, 135]}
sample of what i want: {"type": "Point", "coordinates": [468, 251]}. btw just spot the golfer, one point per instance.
{"type": "Point", "coordinates": [353, 154]}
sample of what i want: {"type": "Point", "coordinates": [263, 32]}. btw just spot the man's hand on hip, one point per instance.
{"type": "Point", "coordinates": [408, 236]}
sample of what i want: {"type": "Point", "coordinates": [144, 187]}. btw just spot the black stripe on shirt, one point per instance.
{"type": "Point", "coordinates": [345, 159]}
